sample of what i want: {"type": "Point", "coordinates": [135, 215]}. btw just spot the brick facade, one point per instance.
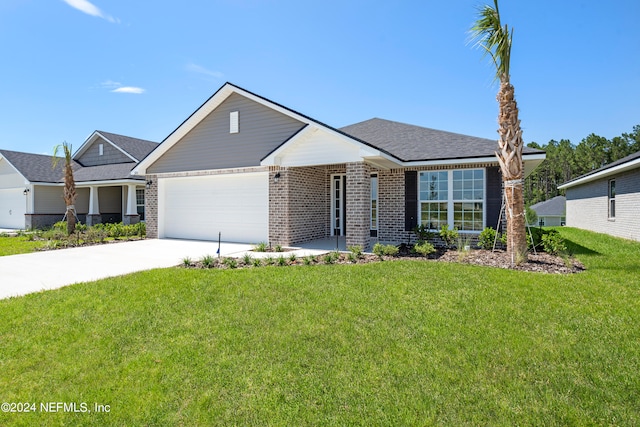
{"type": "Point", "coordinates": [151, 207]}
{"type": "Point", "coordinates": [300, 203]}
{"type": "Point", "coordinates": [358, 205]}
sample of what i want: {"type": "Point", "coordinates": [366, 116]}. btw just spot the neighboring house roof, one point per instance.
{"type": "Point", "coordinates": [416, 143]}
{"type": "Point", "coordinates": [39, 167]}
{"type": "Point", "coordinates": [135, 147]}
{"type": "Point", "coordinates": [36, 167]}
{"type": "Point", "coordinates": [629, 162]}
{"type": "Point", "coordinates": [551, 207]}
{"type": "Point", "coordinates": [384, 142]}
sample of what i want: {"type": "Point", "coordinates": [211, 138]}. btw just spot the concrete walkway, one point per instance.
{"type": "Point", "coordinates": [27, 273]}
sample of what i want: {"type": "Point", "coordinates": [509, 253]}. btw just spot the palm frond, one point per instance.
{"type": "Point", "coordinates": [493, 38]}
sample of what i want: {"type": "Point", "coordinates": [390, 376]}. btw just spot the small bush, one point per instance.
{"type": "Point", "coordinates": [208, 261]}
{"type": "Point", "coordinates": [424, 248]}
{"type": "Point", "coordinates": [186, 261]}
{"type": "Point", "coordinates": [261, 247]}
{"type": "Point", "coordinates": [423, 233]}
{"type": "Point", "coordinates": [278, 248]}
{"type": "Point", "coordinates": [553, 244]}
{"type": "Point", "coordinates": [292, 257]}
{"type": "Point", "coordinates": [352, 257]}
{"type": "Point", "coordinates": [356, 251]}
{"type": "Point", "coordinates": [448, 236]}
{"type": "Point", "coordinates": [257, 262]}
{"type": "Point", "coordinates": [230, 262]}
{"type": "Point", "coordinates": [60, 225]}
{"type": "Point", "coordinates": [269, 260]}
{"type": "Point", "coordinates": [247, 259]}
{"type": "Point", "coordinates": [282, 261]}
{"type": "Point", "coordinates": [309, 259]}
{"type": "Point", "coordinates": [487, 238]}
{"type": "Point", "coordinates": [381, 250]}
{"type": "Point", "coordinates": [378, 249]}
{"type": "Point", "coordinates": [328, 259]}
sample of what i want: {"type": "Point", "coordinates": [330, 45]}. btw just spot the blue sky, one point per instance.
{"type": "Point", "coordinates": [139, 68]}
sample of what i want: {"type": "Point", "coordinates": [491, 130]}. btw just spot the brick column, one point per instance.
{"type": "Point", "coordinates": [151, 207]}
{"type": "Point", "coordinates": [358, 205]}
{"type": "Point", "coordinates": [279, 207]}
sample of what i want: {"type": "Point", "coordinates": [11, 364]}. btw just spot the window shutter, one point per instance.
{"type": "Point", "coordinates": [410, 200]}
{"type": "Point", "coordinates": [493, 179]}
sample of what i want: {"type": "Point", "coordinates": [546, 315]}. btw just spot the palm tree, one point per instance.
{"type": "Point", "coordinates": [495, 40]}
{"type": "Point", "coordinates": [69, 194]}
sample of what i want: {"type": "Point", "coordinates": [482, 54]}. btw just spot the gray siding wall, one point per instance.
{"type": "Point", "coordinates": [210, 145]}
{"type": "Point", "coordinates": [48, 200]}
{"type": "Point", "coordinates": [587, 206]}
{"type": "Point", "coordinates": [111, 155]}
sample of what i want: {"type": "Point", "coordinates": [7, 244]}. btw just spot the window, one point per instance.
{"type": "Point", "coordinates": [612, 198]}
{"type": "Point", "coordinates": [434, 194]}
{"type": "Point", "coordinates": [140, 203]}
{"type": "Point", "coordinates": [234, 122]}
{"type": "Point", "coordinates": [468, 196]}
{"type": "Point", "coordinates": [374, 205]}
{"type": "Point", "coordinates": [453, 197]}
{"type": "Point", "coordinates": [100, 149]}
{"type": "Point", "coordinates": [540, 222]}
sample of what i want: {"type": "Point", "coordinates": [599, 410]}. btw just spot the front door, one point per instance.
{"type": "Point", "coordinates": [338, 205]}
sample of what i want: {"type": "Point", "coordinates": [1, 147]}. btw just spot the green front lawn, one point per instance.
{"type": "Point", "coordinates": [390, 343]}
{"type": "Point", "coordinates": [18, 245]}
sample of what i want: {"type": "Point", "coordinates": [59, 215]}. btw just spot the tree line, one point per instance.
{"type": "Point", "coordinates": [566, 161]}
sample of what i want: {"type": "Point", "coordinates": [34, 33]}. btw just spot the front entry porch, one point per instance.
{"type": "Point", "coordinates": [321, 205]}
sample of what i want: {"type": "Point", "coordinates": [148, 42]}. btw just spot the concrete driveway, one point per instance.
{"type": "Point", "coordinates": [27, 273]}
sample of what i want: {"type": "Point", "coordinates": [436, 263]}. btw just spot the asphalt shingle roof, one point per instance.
{"type": "Point", "coordinates": [137, 148]}
{"type": "Point", "coordinates": [416, 143]}
{"type": "Point", "coordinates": [551, 207]}
{"type": "Point", "coordinates": [36, 167]}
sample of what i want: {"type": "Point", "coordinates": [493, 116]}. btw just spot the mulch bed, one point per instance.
{"type": "Point", "coordinates": [540, 263]}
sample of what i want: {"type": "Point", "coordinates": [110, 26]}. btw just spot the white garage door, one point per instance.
{"type": "Point", "coordinates": [12, 207]}
{"type": "Point", "coordinates": [236, 205]}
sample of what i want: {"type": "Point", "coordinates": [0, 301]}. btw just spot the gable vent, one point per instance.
{"type": "Point", "coordinates": [100, 149]}
{"type": "Point", "coordinates": [234, 122]}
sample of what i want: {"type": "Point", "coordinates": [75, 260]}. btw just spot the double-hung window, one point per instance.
{"type": "Point", "coordinates": [374, 205]}
{"type": "Point", "coordinates": [455, 198]}
{"type": "Point", "coordinates": [612, 198]}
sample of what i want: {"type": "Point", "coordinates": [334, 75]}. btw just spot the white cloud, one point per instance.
{"type": "Point", "coordinates": [128, 89]}
{"type": "Point", "coordinates": [90, 9]}
{"type": "Point", "coordinates": [110, 84]}
{"type": "Point", "coordinates": [195, 68]}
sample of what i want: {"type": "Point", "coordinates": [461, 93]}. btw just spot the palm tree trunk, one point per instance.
{"type": "Point", "coordinates": [510, 159]}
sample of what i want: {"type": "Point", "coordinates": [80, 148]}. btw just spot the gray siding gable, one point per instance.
{"type": "Point", "coordinates": [111, 155]}
{"type": "Point", "coordinates": [209, 145]}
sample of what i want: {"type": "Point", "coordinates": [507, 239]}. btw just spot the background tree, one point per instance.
{"type": "Point", "coordinates": [496, 39]}
{"type": "Point", "coordinates": [69, 194]}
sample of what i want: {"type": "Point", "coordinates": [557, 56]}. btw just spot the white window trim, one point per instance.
{"type": "Point", "coordinates": [100, 149]}
{"type": "Point", "coordinates": [611, 199]}
{"type": "Point", "coordinates": [451, 200]}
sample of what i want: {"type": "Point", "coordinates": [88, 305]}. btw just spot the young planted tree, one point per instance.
{"type": "Point", "coordinates": [69, 194]}
{"type": "Point", "coordinates": [495, 40]}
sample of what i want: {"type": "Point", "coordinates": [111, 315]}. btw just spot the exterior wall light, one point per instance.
{"type": "Point", "coordinates": [276, 178]}
{"type": "Point", "coordinates": [149, 184]}
{"type": "Point", "coordinates": [26, 191]}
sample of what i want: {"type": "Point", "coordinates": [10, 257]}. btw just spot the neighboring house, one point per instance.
{"type": "Point", "coordinates": [31, 189]}
{"type": "Point", "coordinates": [253, 170]}
{"type": "Point", "coordinates": [607, 200]}
{"type": "Point", "coordinates": [551, 213]}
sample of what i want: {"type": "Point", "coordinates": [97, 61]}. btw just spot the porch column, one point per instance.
{"type": "Point", "coordinates": [131, 211]}
{"type": "Point", "coordinates": [93, 217]}
{"type": "Point", "coordinates": [358, 205]}
{"type": "Point", "coordinates": [279, 209]}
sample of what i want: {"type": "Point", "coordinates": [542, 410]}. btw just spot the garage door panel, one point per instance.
{"type": "Point", "coordinates": [12, 208]}
{"type": "Point", "coordinates": [200, 207]}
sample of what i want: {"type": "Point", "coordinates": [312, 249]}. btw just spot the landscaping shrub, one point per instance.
{"type": "Point", "coordinates": [487, 238]}
{"type": "Point", "coordinates": [553, 243]}
{"type": "Point", "coordinates": [261, 247]}
{"type": "Point", "coordinates": [381, 250]}
{"type": "Point", "coordinates": [448, 236]}
{"type": "Point", "coordinates": [424, 248]}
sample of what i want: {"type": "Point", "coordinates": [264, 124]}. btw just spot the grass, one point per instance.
{"type": "Point", "coordinates": [18, 245]}
{"type": "Point", "coordinates": [393, 343]}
